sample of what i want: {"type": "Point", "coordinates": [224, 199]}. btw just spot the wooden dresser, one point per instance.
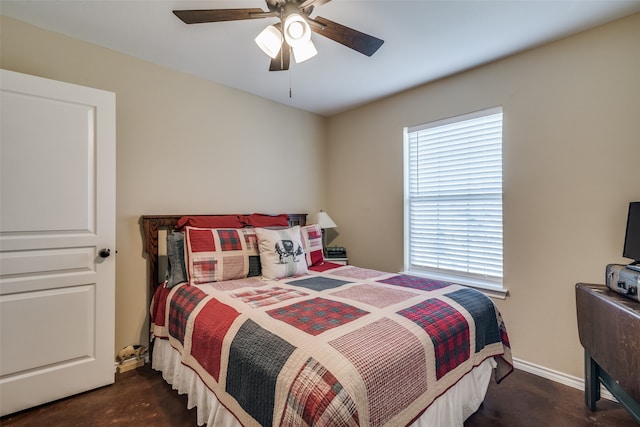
{"type": "Point", "coordinates": [609, 329]}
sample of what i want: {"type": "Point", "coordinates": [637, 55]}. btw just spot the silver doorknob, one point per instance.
{"type": "Point", "coordinates": [104, 253]}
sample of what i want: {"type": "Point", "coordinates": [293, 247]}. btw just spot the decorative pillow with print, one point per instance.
{"type": "Point", "coordinates": [217, 254]}
{"type": "Point", "coordinates": [281, 252]}
{"type": "Point", "coordinates": [312, 244]}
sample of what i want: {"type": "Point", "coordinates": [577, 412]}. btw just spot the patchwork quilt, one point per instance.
{"type": "Point", "coordinates": [339, 346]}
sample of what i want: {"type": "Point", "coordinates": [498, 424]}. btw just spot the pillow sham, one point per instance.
{"type": "Point", "coordinates": [176, 269]}
{"type": "Point", "coordinates": [263, 220]}
{"type": "Point", "coordinates": [312, 244]}
{"type": "Point", "coordinates": [281, 253]}
{"type": "Point", "coordinates": [210, 221]}
{"type": "Point", "coordinates": [218, 254]}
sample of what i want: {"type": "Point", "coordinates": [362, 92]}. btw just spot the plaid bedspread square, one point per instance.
{"type": "Point", "coordinates": [317, 397]}
{"type": "Point", "coordinates": [317, 315]}
{"type": "Point", "coordinates": [183, 302]}
{"type": "Point", "coordinates": [447, 329]}
{"type": "Point", "coordinates": [339, 346]}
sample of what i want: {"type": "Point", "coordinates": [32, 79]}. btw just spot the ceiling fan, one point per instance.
{"type": "Point", "coordinates": [292, 33]}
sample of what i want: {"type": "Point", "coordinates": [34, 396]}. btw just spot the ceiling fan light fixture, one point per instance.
{"type": "Point", "coordinates": [296, 30]}
{"type": "Point", "coordinates": [304, 51]}
{"type": "Point", "coordinates": [270, 41]}
{"type": "Point", "coordinates": [294, 27]}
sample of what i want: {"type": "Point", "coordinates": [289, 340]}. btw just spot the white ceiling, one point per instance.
{"type": "Point", "coordinates": [424, 40]}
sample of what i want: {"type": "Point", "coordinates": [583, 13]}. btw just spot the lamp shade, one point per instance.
{"type": "Point", "coordinates": [270, 41]}
{"type": "Point", "coordinates": [304, 51]}
{"type": "Point", "coordinates": [324, 220]}
{"type": "Point", "coordinates": [296, 30]}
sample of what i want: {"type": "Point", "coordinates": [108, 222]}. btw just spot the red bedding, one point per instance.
{"type": "Point", "coordinates": [339, 346]}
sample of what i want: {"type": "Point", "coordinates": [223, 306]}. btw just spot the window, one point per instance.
{"type": "Point", "coordinates": [453, 199]}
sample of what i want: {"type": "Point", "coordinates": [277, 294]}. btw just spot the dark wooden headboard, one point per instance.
{"type": "Point", "coordinates": [151, 224]}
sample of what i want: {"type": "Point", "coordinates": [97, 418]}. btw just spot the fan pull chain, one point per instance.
{"type": "Point", "coordinates": [289, 82]}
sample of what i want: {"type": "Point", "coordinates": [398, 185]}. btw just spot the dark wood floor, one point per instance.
{"type": "Point", "coordinates": [142, 398]}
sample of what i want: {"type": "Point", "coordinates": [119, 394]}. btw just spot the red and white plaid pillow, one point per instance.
{"type": "Point", "coordinates": [312, 244]}
{"type": "Point", "coordinates": [217, 254]}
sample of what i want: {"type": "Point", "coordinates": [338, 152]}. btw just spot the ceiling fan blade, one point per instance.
{"type": "Point", "coordinates": [311, 3]}
{"type": "Point", "coordinates": [219, 15]}
{"type": "Point", "coordinates": [363, 43]}
{"type": "Point", "coordinates": [281, 62]}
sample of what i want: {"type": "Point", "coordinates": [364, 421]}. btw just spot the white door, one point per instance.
{"type": "Point", "coordinates": [57, 211]}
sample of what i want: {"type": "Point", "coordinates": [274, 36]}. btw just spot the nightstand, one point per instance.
{"type": "Point", "coordinates": [343, 261]}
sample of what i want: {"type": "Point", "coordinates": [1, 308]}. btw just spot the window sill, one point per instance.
{"type": "Point", "coordinates": [490, 290]}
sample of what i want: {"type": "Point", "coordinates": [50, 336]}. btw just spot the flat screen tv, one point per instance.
{"type": "Point", "coordinates": [632, 237]}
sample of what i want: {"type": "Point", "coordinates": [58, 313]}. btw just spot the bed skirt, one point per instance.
{"type": "Point", "coordinates": [450, 409]}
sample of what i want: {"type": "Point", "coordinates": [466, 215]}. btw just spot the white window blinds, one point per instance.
{"type": "Point", "coordinates": [453, 187]}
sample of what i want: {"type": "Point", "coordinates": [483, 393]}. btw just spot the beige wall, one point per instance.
{"type": "Point", "coordinates": [571, 165]}
{"type": "Point", "coordinates": [184, 145]}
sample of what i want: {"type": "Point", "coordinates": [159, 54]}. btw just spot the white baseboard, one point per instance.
{"type": "Point", "coordinates": [558, 377]}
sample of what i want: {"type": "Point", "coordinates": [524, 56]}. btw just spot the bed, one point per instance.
{"type": "Point", "coordinates": [269, 333]}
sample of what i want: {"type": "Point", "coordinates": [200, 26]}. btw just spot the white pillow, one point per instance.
{"type": "Point", "coordinates": [281, 252]}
